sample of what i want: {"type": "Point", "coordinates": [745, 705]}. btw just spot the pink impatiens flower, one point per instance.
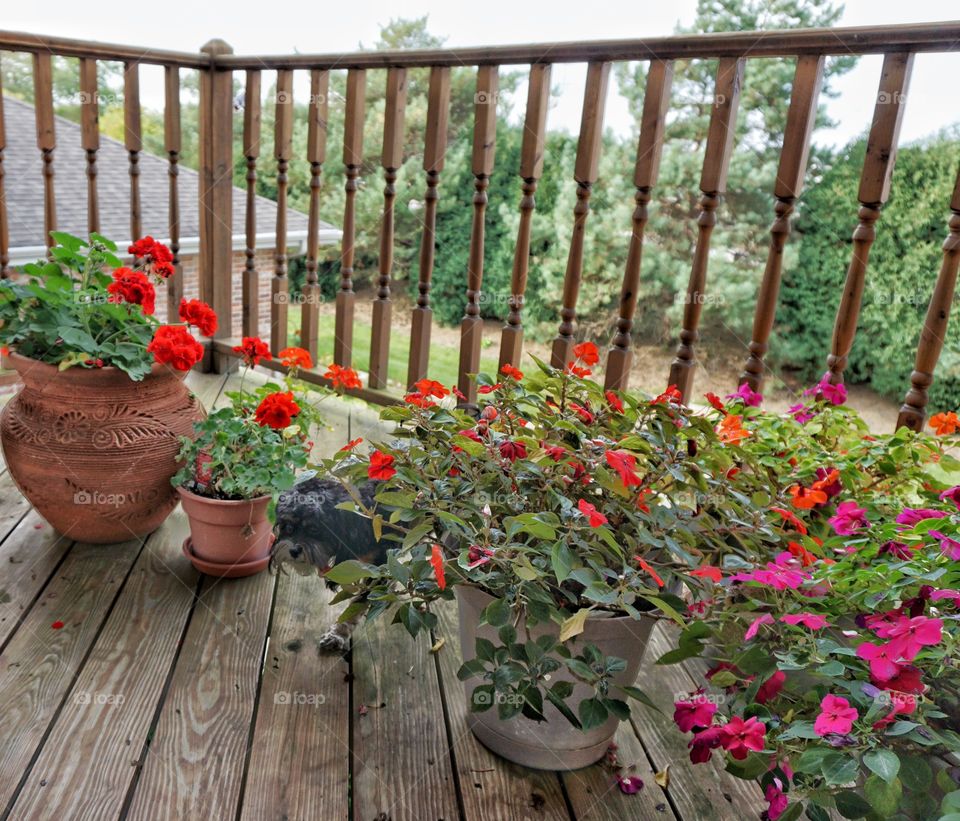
{"type": "Point", "coordinates": [704, 743]}
{"type": "Point", "coordinates": [771, 688]}
{"type": "Point", "coordinates": [848, 519]}
{"type": "Point", "coordinates": [908, 636]}
{"type": "Point", "coordinates": [826, 390]}
{"type": "Point", "coordinates": [747, 395]}
{"type": "Point", "coordinates": [740, 736]}
{"type": "Point", "coordinates": [801, 413]}
{"type": "Point", "coordinates": [755, 625]}
{"type": "Point", "coordinates": [952, 495]}
{"type": "Point", "coordinates": [629, 784]}
{"type": "Point", "coordinates": [836, 716]}
{"type": "Point", "coordinates": [776, 799]}
{"type": "Point", "coordinates": [812, 620]}
{"type": "Point", "coordinates": [910, 516]}
{"type": "Point", "coordinates": [697, 712]}
{"type": "Point", "coordinates": [949, 547]}
{"type": "Point", "coordinates": [883, 660]}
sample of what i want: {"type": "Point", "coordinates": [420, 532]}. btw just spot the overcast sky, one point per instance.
{"type": "Point", "coordinates": [296, 25]}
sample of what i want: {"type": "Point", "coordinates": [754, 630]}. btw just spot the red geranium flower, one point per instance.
{"type": "Point", "coordinates": [277, 410]}
{"type": "Point", "coordinates": [342, 378]}
{"type": "Point", "coordinates": [155, 254]}
{"type": "Point", "coordinates": [199, 314]}
{"type": "Point", "coordinates": [512, 372]}
{"type": "Point", "coordinates": [174, 345]}
{"type": "Point", "coordinates": [252, 349]}
{"type": "Point", "coordinates": [296, 358]}
{"type": "Point", "coordinates": [381, 466]}
{"type": "Point", "coordinates": [133, 288]}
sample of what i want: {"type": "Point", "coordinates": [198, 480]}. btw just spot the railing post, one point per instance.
{"type": "Point", "coordinates": [216, 193]}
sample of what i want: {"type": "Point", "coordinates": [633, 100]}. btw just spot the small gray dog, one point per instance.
{"type": "Point", "coordinates": [312, 534]}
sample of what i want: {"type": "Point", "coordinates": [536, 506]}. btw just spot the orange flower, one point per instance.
{"type": "Point", "coordinates": [587, 353]}
{"type": "Point", "coordinates": [708, 571]}
{"type": "Point", "coordinates": [806, 498]}
{"type": "Point", "coordinates": [730, 429]}
{"type": "Point", "coordinates": [671, 395]}
{"type": "Point", "coordinates": [342, 378]}
{"type": "Point", "coordinates": [296, 358]}
{"type": "Point", "coordinates": [381, 466]}
{"type": "Point", "coordinates": [832, 477]}
{"type": "Point", "coordinates": [787, 516]}
{"type": "Point", "coordinates": [945, 423]}
{"type": "Point", "coordinates": [652, 573]}
{"type": "Point", "coordinates": [512, 372]}
{"type": "Point", "coordinates": [429, 387]}
{"type": "Point", "coordinates": [351, 445]}
{"type": "Point", "coordinates": [436, 560]}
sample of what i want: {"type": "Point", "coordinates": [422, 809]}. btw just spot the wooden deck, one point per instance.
{"type": "Point", "coordinates": [166, 694]}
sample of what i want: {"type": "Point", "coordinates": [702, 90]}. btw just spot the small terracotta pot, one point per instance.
{"type": "Point", "coordinates": [554, 744]}
{"type": "Point", "coordinates": [225, 534]}
{"type": "Point", "coordinates": [92, 450]}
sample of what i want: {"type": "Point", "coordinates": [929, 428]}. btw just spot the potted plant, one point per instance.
{"type": "Point", "coordinates": [92, 436]}
{"type": "Point", "coordinates": [564, 518]}
{"type": "Point", "coordinates": [241, 457]}
{"type": "Point", "coordinates": [833, 675]}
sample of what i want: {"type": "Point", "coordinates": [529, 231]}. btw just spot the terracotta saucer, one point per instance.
{"type": "Point", "coordinates": [229, 570]}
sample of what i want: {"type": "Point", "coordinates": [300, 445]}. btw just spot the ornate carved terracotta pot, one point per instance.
{"type": "Point", "coordinates": [92, 450]}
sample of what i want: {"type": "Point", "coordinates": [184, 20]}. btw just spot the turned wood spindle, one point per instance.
{"type": "Point", "coordinates": [90, 135]}
{"type": "Point", "coordinates": [252, 117]}
{"type": "Point", "coordinates": [283, 142]}
{"type": "Point", "coordinates": [46, 137]}
{"type": "Point", "coordinates": [133, 141]}
{"type": "Point", "coordinates": [4, 226]}
{"type": "Point", "coordinates": [173, 145]}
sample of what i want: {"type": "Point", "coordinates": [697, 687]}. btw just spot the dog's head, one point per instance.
{"type": "Point", "coordinates": [295, 548]}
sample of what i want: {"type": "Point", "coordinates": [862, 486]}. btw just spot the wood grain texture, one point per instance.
{"type": "Point", "coordinates": [93, 750]}
{"type": "Point", "coordinates": [133, 141]}
{"type": "Point", "coordinates": [90, 135]}
{"type": "Point", "coordinates": [46, 136]}
{"type": "Point", "coordinates": [4, 216]}
{"type": "Point", "coordinates": [299, 761]}
{"type": "Point", "coordinates": [196, 757]}
{"type": "Point", "coordinates": [38, 665]}
{"type": "Point", "coordinates": [172, 134]}
{"type": "Point", "coordinates": [317, 113]}
{"type": "Point", "coordinates": [282, 149]}
{"type": "Point", "coordinates": [401, 764]}
{"type": "Point", "coordinates": [250, 284]}
{"type": "Point", "coordinates": [491, 787]}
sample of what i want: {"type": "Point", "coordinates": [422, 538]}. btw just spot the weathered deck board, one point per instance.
{"type": "Point", "coordinates": [90, 757]}
{"type": "Point", "coordinates": [491, 787]}
{"type": "Point", "coordinates": [299, 762]}
{"type": "Point", "coordinates": [38, 666]}
{"type": "Point", "coordinates": [196, 756]}
{"type": "Point", "coordinates": [27, 558]}
{"type": "Point", "coordinates": [401, 762]}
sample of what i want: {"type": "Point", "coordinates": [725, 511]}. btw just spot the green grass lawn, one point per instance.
{"type": "Point", "coordinates": [444, 359]}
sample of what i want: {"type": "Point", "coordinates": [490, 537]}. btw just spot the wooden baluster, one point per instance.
{"type": "Point", "coordinates": [434, 150]}
{"type": "Point", "coordinates": [656, 101]}
{"type": "Point", "coordinates": [873, 193]}
{"type": "Point", "coordinates": [913, 411]}
{"type": "Point", "coordinates": [316, 154]}
{"type": "Point", "coordinates": [713, 183]}
{"type": "Point", "coordinates": [484, 147]}
{"type": "Point", "coordinates": [801, 117]}
{"type": "Point", "coordinates": [391, 159]}
{"type": "Point", "coordinates": [46, 136]}
{"type": "Point", "coordinates": [352, 160]}
{"type": "Point", "coordinates": [250, 299]}
{"type": "Point", "coordinates": [4, 227]}
{"type": "Point", "coordinates": [283, 141]}
{"type": "Point", "coordinates": [172, 144]}
{"type": "Point", "coordinates": [90, 135]}
{"type": "Point", "coordinates": [585, 173]}
{"type": "Point", "coordinates": [531, 167]}
{"type": "Point", "coordinates": [133, 141]}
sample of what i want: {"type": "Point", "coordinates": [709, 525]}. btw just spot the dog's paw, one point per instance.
{"type": "Point", "coordinates": [335, 640]}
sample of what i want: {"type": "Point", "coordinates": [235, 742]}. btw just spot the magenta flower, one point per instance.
{"type": "Point", "coordinates": [910, 516]}
{"type": "Point", "coordinates": [897, 549]}
{"type": "Point", "coordinates": [952, 495]}
{"type": "Point", "coordinates": [698, 712]}
{"type": "Point", "coordinates": [801, 413]}
{"type": "Point", "coordinates": [836, 716]}
{"type": "Point", "coordinates": [771, 688]}
{"type": "Point", "coordinates": [949, 547]}
{"type": "Point", "coordinates": [812, 620]}
{"type": "Point", "coordinates": [832, 489]}
{"type": "Point", "coordinates": [776, 798]}
{"type": "Point", "coordinates": [754, 627]}
{"type": "Point", "coordinates": [848, 519]}
{"type": "Point", "coordinates": [908, 636]}
{"type": "Point", "coordinates": [883, 660]}
{"type": "Point", "coordinates": [949, 595]}
{"type": "Point", "coordinates": [747, 395]}
{"type": "Point", "coordinates": [739, 736]}
{"type": "Point", "coordinates": [630, 784]}
{"type": "Point", "coordinates": [704, 743]}
{"type": "Point", "coordinates": [826, 390]}
{"type": "Point", "coordinates": [780, 575]}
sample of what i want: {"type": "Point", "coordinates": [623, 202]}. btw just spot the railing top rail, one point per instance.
{"type": "Point", "coordinates": [68, 47]}
{"type": "Point", "coordinates": [780, 43]}
{"type": "Point", "coordinates": [919, 37]}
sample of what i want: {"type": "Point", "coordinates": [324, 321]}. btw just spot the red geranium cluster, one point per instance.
{"type": "Point", "coordinates": [200, 315]}
{"type": "Point", "coordinates": [154, 254]}
{"type": "Point", "coordinates": [133, 288]}
{"type": "Point", "coordinates": [175, 346]}
{"type": "Point", "coordinates": [252, 349]}
{"type": "Point", "coordinates": [342, 378]}
{"type": "Point", "coordinates": [277, 410]}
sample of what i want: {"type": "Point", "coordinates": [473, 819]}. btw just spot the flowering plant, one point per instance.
{"type": "Point", "coordinates": [71, 312]}
{"type": "Point", "coordinates": [832, 661]}
{"type": "Point", "coordinates": [562, 502]}
{"type": "Point", "coordinates": [255, 445]}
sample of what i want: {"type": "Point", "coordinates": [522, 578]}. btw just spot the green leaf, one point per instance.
{"type": "Point", "coordinates": [884, 763]}
{"type": "Point", "coordinates": [817, 813]}
{"type": "Point", "coordinates": [883, 797]}
{"type": "Point", "coordinates": [915, 773]}
{"type": "Point", "coordinates": [851, 805]}
{"type": "Point", "coordinates": [839, 768]}
{"type": "Point", "coordinates": [497, 613]}
{"type": "Point", "coordinates": [350, 571]}
{"type": "Point", "coordinates": [592, 713]}
{"type": "Point", "coordinates": [639, 695]}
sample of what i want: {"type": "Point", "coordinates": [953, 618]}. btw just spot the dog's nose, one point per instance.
{"type": "Point", "coordinates": [295, 552]}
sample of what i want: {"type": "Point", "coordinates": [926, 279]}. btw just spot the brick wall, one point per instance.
{"type": "Point", "coordinates": [264, 261]}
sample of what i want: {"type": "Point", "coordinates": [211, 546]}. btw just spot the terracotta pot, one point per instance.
{"type": "Point", "coordinates": [92, 450]}
{"type": "Point", "coordinates": [554, 744]}
{"type": "Point", "coordinates": [228, 538]}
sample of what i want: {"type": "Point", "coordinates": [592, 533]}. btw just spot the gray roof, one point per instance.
{"type": "Point", "coordinates": [23, 187]}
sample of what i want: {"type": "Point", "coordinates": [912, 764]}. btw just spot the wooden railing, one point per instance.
{"type": "Point", "coordinates": [218, 66]}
